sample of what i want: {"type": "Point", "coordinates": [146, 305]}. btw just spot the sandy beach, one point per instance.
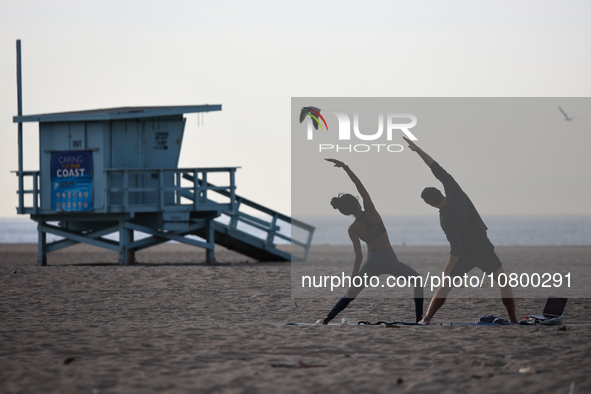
{"type": "Point", "coordinates": [173, 324]}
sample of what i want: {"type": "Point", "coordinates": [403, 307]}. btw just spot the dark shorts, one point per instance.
{"type": "Point", "coordinates": [481, 255]}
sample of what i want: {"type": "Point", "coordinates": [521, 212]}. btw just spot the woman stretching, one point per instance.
{"type": "Point", "coordinates": [381, 259]}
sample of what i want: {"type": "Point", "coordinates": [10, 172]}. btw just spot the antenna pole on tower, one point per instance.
{"type": "Point", "coordinates": [21, 202]}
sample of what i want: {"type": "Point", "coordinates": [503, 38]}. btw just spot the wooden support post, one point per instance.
{"type": "Point", "coordinates": [210, 253]}
{"type": "Point", "coordinates": [177, 188]}
{"type": "Point", "coordinates": [235, 215]}
{"type": "Point", "coordinates": [272, 231]}
{"type": "Point", "coordinates": [195, 190]}
{"type": "Point", "coordinates": [122, 244]}
{"type": "Point", "coordinates": [126, 256]}
{"type": "Point", "coordinates": [41, 246]}
{"type": "Point", "coordinates": [19, 84]}
{"type": "Point", "coordinates": [35, 193]}
{"type": "Point", "coordinates": [204, 186]}
{"type": "Point", "coordinates": [233, 189]}
{"type": "Point", "coordinates": [130, 253]}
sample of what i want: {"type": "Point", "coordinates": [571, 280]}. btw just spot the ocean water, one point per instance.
{"type": "Point", "coordinates": [504, 230]}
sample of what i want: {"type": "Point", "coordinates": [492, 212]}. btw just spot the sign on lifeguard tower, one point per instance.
{"type": "Point", "coordinates": [71, 178]}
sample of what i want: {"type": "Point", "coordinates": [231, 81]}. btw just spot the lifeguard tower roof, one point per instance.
{"type": "Point", "coordinates": [118, 113]}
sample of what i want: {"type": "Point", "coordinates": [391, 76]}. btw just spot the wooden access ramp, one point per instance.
{"type": "Point", "coordinates": [257, 231]}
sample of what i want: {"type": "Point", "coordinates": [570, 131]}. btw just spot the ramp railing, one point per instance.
{"type": "Point", "coordinates": [249, 217]}
{"type": "Point", "coordinates": [35, 206]}
{"type": "Point", "coordinates": [159, 190]}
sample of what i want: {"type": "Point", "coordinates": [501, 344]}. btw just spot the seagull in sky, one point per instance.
{"type": "Point", "coordinates": [566, 117]}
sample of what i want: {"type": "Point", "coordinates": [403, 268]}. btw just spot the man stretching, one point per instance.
{"type": "Point", "coordinates": [466, 233]}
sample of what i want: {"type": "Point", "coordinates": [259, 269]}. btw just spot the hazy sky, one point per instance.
{"type": "Point", "coordinates": [252, 57]}
{"type": "Point", "coordinates": [510, 155]}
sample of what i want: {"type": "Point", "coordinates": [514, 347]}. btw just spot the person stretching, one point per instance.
{"type": "Point", "coordinates": [381, 259]}
{"type": "Point", "coordinates": [466, 233]}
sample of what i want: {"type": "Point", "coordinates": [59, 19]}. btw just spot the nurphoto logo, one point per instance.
{"type": "Point", "coordinates": [392, 123]}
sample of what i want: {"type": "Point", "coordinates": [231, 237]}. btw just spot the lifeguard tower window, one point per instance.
{"type": "Point", "coordinates": [116, 171]}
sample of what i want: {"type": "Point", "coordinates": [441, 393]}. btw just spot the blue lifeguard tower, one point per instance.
{"type": "Point", "coordinates": [115, 171]}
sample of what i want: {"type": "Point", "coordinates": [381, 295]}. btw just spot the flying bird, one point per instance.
{"type": "Point", "coordinates": [566, 117]}
{"type": "Point", "coordinates": [314, 114]}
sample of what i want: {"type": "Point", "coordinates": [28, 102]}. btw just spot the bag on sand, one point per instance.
{"type": "Point", "coordinates": [492, 319]}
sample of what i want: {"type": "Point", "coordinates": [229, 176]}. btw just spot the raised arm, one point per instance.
{"type": "Point", "coordinates": [443, 176]}
{"type": "Point", "coordinates": [367, 203]}
{"type": "Point", "coordinates": [413, 147]}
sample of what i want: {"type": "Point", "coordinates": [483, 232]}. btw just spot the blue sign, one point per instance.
{"type": "Point", "coordinates": [71, 181]}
